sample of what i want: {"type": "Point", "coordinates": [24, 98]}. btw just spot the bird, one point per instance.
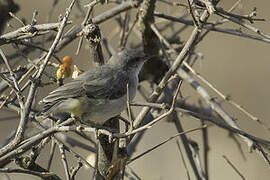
{"type": "Point", "coordinates": [100, 93]}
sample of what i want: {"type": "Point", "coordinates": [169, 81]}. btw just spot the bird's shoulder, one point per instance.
{"type": "Point", "coordinates": [108, 83]}
{"type": "Point", "coordinates": [74, 88]}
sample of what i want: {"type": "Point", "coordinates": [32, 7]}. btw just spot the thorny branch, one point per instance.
{"type": "Point", "coordinates": [26, 109]}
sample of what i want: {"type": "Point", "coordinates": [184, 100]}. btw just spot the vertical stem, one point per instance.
{"type": "Point", "coordinates": [205, 150]}
{"type": "Point", "coordinates": [106, 151]}
{"type": "Point", "coordinates": [184, 140]}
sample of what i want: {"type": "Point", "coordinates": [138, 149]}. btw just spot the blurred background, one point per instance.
{"type": "Point", "coordinates": [236, 66]}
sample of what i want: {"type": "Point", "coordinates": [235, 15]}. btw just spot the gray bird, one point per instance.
{"type": "Point", "coordinates": [100, 93]}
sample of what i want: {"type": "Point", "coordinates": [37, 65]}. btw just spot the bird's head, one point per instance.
{"type": "Point", "coordinates": [130, 60]}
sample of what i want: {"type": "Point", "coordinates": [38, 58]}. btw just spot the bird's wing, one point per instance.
{"type": "Point", "coordinates": [69, 90]}
{"type": "Point", "coordinates": [74, 88]}
{"type": "Point", "coordinates": [102, 83]}
{"type": "Point", "coordinates": [111, 85]}
{"type": "Point", "coordinates": [53, 100]}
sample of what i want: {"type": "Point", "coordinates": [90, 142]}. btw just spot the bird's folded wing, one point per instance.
{"type": "Point", "coordinates": [100, 84]}
{"type": "Point", "coordinates": [112, 86]}
{"type": "Point", "coordinates": [70, 90]}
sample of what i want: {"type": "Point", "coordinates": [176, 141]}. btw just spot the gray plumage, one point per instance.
{"type": "Point", "coordinates": [100, 93]}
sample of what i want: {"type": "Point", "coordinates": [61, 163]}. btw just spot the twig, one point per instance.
{"type": "Point", "coordinates": [213, 28]}
{"type": "Point", "coordinates": [64, 160]}
{"type": "Point", "coordinates": [124, 42]}
{"type": "Point", "coordinates": [238, 144]}
{"type": "Point", "coordinates": [75, 170]}
{"type": "Point", "coordinates": [234, 168]}
{"type": "Point", "coordinates": [226, 98]}
{"type": "Point", "coordinates": [158, 145]}
{"type": "Point", "coordinates": [96, 20]}
{"type": "Point", "coordinates": [234, 5]}
{"type": "Point", "coordinates": [264, 154]}
{"type": "Point", "coordinates": [182, 158]}
{"type": "Point", "coordinates": [18, 19]}
{"type": "Point", "coordinates": [93, 3]}
{"type": "Point", "coordinates": [162, 38]}
{"type": "Point", "coordinates": [74, 142]}
{"type": "Point", "coordinates": [133, 173]}
{"type": "Point", "coordinates": [240, 17]}
{"type": "Point", "coordinates": [29, 44]}
{"type": "Point", "coordinates": [216, 107]}
{"type": "Point", "coordinates": [23, 33]}
{"type": "Point", "coordinates": [209, 6]}
{"type": "Point", "coordinates": [205, 140]}
{"type": "Point", "coordinates": [192, 14]}
{"type": "Point", "coordinates": [114, 11]}
{"type": "Point", "coordinates": [150, 124]}
{"type": "Point", "coordinates": [125, 28]}
{"type": "Point", "coordinates": [31, 66]}
{"type": "Point", "coordinates": [196, 155]}
{"type": "Point", "coordinates": [42, 175]}
{"type": "Point", "coordinates": [247, 26]}
{"type": "Point", "coordinates": [15, 82]}
{"type": "Point", "coordinates": [151, 105]}
{"type": "Point", "coordinates": [80, 8]}
{"type": "Point", "coordinates": [51, 11]}
{"type": "Point", "coordinates": [19, 72]}
{"type": "Point", "coordinates": [75, 154]}
{"type": "Point", "coordinates": [85, 21]}
{"type": "Point", "coordinates": [185, 141]}
{"type": "Point", "coordinates": [197, 113]}
{"type": "Point", "coordinates": [34, 20]}
{"type": "Point", "coordinates": [53, 146]}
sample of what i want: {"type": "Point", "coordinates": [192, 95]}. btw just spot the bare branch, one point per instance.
{"type": "Point", "coordinates": [213, 28]}
{"type": "Point", "coordinates": [158, 145]}
{"type": "Point", "coordinates": [24, 32]}
{"type": "Point", "coordinates": [182, 158]}
{"type": "Point", "coordinates": [64, 161]}
{"type": "Point", "coordinates": [234, 168]}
